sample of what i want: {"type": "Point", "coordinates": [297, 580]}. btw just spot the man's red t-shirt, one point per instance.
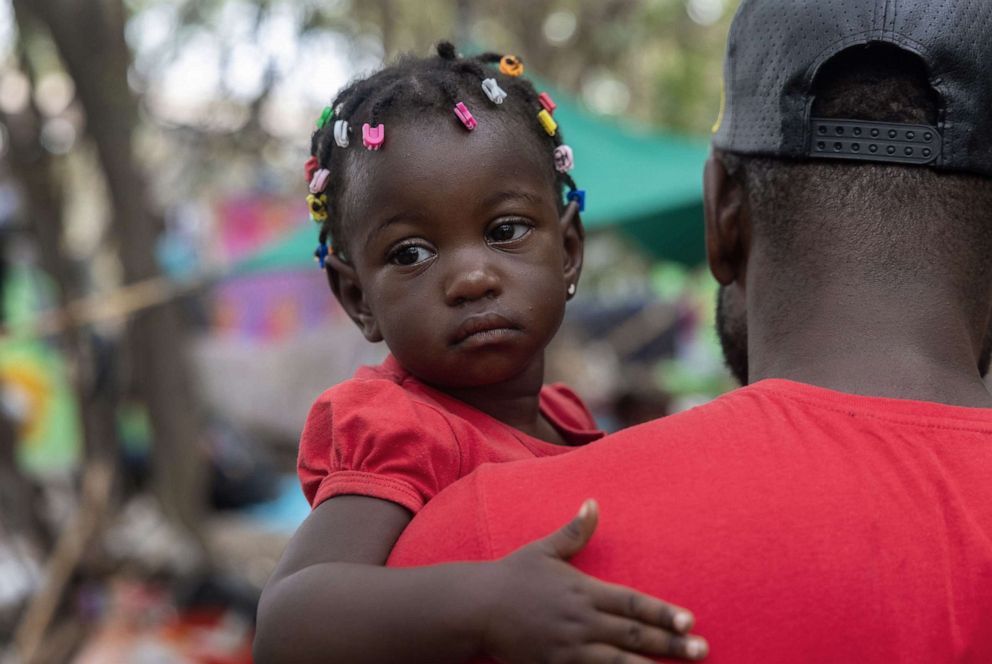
{"type": "Point", "coordinates": [387, 435]}
{"type": "Point", "coordinates": [797, 523]}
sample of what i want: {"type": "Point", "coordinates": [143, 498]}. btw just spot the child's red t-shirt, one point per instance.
{"type": "Point", "coordinates": [386, 435]}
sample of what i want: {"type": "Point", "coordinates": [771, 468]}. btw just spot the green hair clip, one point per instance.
{"type": "Point", "coordinates": [325, 117]}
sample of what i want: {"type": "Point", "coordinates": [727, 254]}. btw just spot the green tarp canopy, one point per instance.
{"type": "Point", "coordinates": [643, 183]}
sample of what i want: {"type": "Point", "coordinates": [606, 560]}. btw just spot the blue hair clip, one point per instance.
{"type": "Point", "coordinates": [321, 254]}
{"type": "Point", "coordinates": [579, 196]}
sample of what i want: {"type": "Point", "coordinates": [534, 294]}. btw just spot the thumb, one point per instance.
{"type": "Point", "coordinates": [574, 535]}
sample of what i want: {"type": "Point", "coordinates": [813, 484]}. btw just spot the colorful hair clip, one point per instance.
{"type": "Point", "coordinates": [310, 168]}
{"type": "Point", "coordinates": [372, 137]}
{"type": "Point", "coordinates": [321, 254]}
{"type": "Point", "coordinates": [465, 116]}
{"type": "Point", "coordinates": [495, 93]}
{"type": "Point", "coordinates": [547, 122]}
{"type": "Point", "coordinates": [547, 102]}
{"type": "Point", "coordinates": [564, 159]}
{"type": "Point", "coordinates": [341, 133]}
{"type": "Point", "coordinates": [319, 181]}
{"type": "Point", "coordinates": [325, 117]}
{"type": "Point", "coordinates": [318, 207]}
{"type": "Point", "coordinates": [511, 65]}
{"type": "Point", "coordinates": [579, 196]}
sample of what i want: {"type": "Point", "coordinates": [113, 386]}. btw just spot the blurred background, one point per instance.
{"type": "Point", "coordinates": [164, 329]}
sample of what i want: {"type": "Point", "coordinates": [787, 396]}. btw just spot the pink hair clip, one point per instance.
{"type": "Point", "coordinates": [545, 99]}
{"type": "Point", "coordinates": [372, 137]}
{"type": "Point", "coordinates": [564, 159]}
{"type": "Point", "coordinates": [319, 181]}
{"type": "Point", "coordinates": [465, 116]}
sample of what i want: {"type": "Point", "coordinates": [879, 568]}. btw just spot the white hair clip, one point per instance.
{"type": "Point", "coordinates": [341, 133]}
{"type": "Point", "coordinates": [495, 93]}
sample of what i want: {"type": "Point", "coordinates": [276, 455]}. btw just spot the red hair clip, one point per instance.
{"type": "Point", "coordinates": [373, 137]}
{"type": "Point", "coordinates": [310, 168]}
{"type": "Point", "coordinates": [465, 116]}
{"type": "Point", "coordinates": [545, 99]}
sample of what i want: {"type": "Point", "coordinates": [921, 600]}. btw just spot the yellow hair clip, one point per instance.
{"type": "Point", "coordinates": [547, 122]}
{"type": "Point", "coordinates": [511, 65]}
{"type": "Point", "coordinates": [318, 207]}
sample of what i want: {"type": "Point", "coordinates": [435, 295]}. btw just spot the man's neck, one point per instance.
{"type": "Point", "coordinates": [914, 345]}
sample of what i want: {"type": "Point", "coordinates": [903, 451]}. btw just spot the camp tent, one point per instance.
{"type": "Point", "coordinates": [643, 183]}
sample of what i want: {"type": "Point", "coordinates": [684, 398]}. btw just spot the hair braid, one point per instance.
{"type": "Point", "coordinates": [438, 83]}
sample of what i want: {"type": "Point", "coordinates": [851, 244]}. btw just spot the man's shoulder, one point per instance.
{"type": "Point", "coordinates": [457, 524]}
{"type": "Point", "coordinates": [724, 418]}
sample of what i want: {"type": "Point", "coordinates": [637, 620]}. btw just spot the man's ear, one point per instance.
{"type": "Point", "coordinates": [573, 244]}
{"type": "Point", "coordinates": [728, 227]}
{"type": "Point", "coordinates": [348, 290]}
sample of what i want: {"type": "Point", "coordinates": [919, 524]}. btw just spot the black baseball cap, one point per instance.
{"type": "Point", "coordinates": [777, 47]}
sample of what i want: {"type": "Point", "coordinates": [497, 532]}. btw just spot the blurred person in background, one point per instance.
{"type": "Point", "coordinates": [837, 507]}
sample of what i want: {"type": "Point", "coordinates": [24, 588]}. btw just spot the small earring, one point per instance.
{"type": "Point", "coordinates": [571, 290]}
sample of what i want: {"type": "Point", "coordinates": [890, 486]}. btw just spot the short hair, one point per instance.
{"type": "Point", "coordinates": [883, 223]}
{"type": "Point", "coordinates": [413, 86]}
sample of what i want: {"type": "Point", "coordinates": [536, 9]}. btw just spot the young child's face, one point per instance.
{"type": "Point", "coordinates": [462, 258]}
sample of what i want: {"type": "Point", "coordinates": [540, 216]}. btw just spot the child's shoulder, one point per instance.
{"type": "Point", "coordinates": [381, 391]}
{"type": "Point", "coordinates": [568, 411]}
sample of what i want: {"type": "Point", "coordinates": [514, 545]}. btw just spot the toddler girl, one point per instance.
{"type": "Point", "coordinates": [441, 181]}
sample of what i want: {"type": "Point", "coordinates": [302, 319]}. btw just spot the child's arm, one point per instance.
{"type": "Point", "coordinates": [330, 599]}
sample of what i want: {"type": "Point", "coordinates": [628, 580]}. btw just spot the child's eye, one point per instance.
{"type": "Point", "coordinates": [410, 254]}
{"type": "Point", "coordinates": [508, 231]}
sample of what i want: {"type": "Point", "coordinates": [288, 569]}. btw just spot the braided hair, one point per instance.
{"type": "Point", "coordinates": [434, 83]}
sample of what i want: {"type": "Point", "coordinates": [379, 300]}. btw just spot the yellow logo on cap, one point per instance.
{"type": "Point", "coordinates": [723, 107]}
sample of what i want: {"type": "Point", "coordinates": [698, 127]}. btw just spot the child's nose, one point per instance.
{"type": "Point", "coordinates": [472, 282]}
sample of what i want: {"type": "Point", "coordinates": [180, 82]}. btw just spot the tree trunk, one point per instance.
{"type": "Point", "coordinates": [89, 37]}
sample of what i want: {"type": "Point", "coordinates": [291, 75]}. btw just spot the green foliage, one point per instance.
{"type": "Point", "coordinates": [669, 64]}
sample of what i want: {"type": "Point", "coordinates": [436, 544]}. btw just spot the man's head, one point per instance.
{"type": "Point", "coordinates": [879, 213]}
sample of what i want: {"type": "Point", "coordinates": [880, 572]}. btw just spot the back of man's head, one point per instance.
{"type": "Point", "coordinates": [871, 223]}
{"type": "Point", "coordinates": [860, 134]}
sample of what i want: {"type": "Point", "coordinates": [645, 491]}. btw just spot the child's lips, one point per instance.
{"type": "Point", "coordinates": [484, 328]}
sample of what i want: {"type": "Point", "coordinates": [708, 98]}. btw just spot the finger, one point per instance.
{"type": "Point", "coordinates": [636, 637]}
{"type": "Point", "coordinates": [603, 653]}
{"type": "Point", "coordinates": [626, 602]}
{"type": "Point", "coordinates": [574, 535]}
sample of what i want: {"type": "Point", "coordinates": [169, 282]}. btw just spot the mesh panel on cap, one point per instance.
{"type": "Point", "coordinates": [776, 46]}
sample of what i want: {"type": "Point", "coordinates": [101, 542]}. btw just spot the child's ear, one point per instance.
{"type": "Point", "coordinates": [573, 244]}
{"type": "Point", "coordinates": [348, 290]}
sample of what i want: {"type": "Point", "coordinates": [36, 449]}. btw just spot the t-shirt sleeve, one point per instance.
{"type": "Point", "coordinates": [371, 438]}
{"type": "Point", "coordinates": [453, 527]}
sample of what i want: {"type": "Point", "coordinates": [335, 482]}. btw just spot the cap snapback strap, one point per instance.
{"type": "Point", "coordinates": [874, 141]}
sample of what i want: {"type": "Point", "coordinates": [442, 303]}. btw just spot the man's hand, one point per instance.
{"type": "Point", "coordinates": [547, 611]}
